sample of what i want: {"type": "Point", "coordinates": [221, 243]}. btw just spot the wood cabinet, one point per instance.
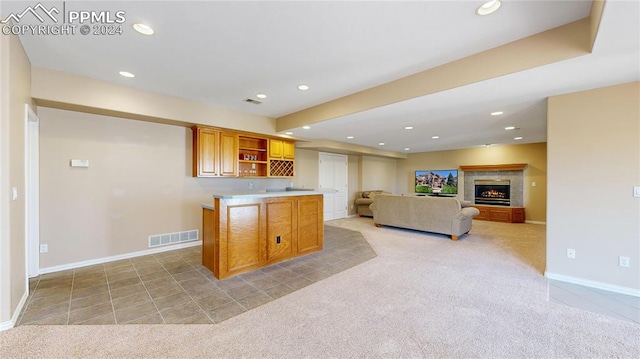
{"type": "Point", "coordinates": [500, 214]}
{"type": "Point", "coordinates": [221, 153]}
{"type": "Point", "coordinates": [281, 156]}
{"type": "Point", "coordinates": [281, 149]}
{"type": "Point", "coordinates": [240, 235]}
{"type": "Point", "coordinates": [252, 152]}
{"type": "Point", "coordinates": [214, 153]}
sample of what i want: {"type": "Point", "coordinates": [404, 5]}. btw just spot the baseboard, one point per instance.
{"type": "Point", "coordinates": [594, 284]}
{"type": "Point", "coordinates": [118, 257]}
{"type": "Point", "coordinates": [535, 222]}
{"type": "Point", "coordinates": [14, 318]}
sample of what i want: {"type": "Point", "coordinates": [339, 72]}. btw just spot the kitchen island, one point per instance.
{"type": "Point", "coordinates": [246, 231]}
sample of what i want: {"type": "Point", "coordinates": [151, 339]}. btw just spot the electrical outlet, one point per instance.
{"type": "Point", "coordinates": [571, 253]}
{"type": "Point", "coordinates": [250, 185]}
{"type": "Point", "coordinates": [623, 261]}
{"type": "Point", "coordinates": [44, 248]}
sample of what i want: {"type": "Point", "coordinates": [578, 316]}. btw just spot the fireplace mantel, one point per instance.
{"type": "Point", "coordinates": [503, 167]}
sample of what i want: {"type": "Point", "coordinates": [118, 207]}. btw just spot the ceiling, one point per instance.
{"type": "Point", "coordinates": [223, 52]}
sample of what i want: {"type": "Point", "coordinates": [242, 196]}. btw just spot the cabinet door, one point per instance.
{"type": "Point", "coordinates": [275, 149]}
{"type": "Point", "coordinates": [500, 215]}
{"type": "Point", "coordinates": [242, 238]}
{"type": "Point", "coordinates": [288, 150]}
{"type": "Point", "coordinates": [206, 152]}
{"type": "Point", "coordinates": [280, 230]}
{"type": "Point", "coordinates": [310, 224]}
{"type": "Point", "coordinates": [228, 154]}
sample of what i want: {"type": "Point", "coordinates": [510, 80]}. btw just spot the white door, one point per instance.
{"type": "Point", "coordinates": [340, 182]}
{"type": "Point", "coordinates": [333, 182]}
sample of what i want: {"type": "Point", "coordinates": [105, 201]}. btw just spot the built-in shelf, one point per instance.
{"type": "Point", "coordinates": [503, 167]}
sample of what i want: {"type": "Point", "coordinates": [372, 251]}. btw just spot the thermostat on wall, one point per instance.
{"type": "Point", "coordinates": [79, 163]}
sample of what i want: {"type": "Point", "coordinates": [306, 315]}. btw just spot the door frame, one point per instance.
{"type": "Point", "coordinates": [32, 193]}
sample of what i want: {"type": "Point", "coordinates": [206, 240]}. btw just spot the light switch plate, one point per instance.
{"type": "Point", "coordinates": [79, 163]}
{"type": "Point", "coordinates": [636, 191]}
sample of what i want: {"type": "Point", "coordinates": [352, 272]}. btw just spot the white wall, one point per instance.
{"type": "Point", "coordinates": [594, 162]}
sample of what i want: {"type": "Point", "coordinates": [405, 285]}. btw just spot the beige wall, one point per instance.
{"type": "Point", "coordinates": [378, 173]}
{"type": "Point", "coordinates": [535, 155]}
{"type": "Point", "coordinates": [354, 180]}
{"type": "Point", "coordinates": [138, 184]}
{"type": "Point", "coordinates": [307, 167]}
{"type": "Point", "coordinates": [15, 81]}
{"type": "Point", "coordinates": [594, 162]}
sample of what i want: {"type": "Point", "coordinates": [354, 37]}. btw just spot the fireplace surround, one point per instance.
{"type": "Point", "coordinates": [513, 173]}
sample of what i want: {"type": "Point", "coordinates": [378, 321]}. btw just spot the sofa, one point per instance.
{"type": "Point", "coordinates": [445, 215]}
{"type": "Point", "coordinates": [364, 199]}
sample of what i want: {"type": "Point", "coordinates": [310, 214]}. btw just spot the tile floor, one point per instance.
{"type": "Point", "coordinates": [174, 287]}
{"type": "Point", "coordinates": [620, 306]}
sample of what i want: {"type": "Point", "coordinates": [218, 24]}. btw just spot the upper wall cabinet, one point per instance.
{"type": "Point", "coordinates": [215, 153]}
{"type": "Point", "coordinates": [221, 153]}
{"type": "Point", "coordinates": [252, 156]}
{"type": "Point", "coordinates": [281, 156]}
{"type": "Point", "coordinates": [280, 149]}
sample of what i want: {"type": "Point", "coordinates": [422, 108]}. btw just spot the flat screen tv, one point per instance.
{"type": "Point", "coordinates": [437, 182]}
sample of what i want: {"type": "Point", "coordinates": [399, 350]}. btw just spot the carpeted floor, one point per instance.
{"type": "Point", "coordinates": [483, 296]}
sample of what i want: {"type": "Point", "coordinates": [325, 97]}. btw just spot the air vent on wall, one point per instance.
{"type": "Point", "coordinates": [250, 100]}
{"type": "Point", "coordinates": [172, 238]}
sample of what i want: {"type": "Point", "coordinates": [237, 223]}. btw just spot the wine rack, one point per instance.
{"type": "Point", "coordinates": [280, 168]}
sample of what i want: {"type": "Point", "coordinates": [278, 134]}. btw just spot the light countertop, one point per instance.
{"type": "Point", "coordinates": [238, 195]}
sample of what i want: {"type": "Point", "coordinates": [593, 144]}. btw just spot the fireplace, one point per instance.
{"type": "Point", "coordinates": [497, 192]}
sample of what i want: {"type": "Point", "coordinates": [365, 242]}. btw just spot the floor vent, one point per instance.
{"type": "Point", "coordinates": [172, 238]}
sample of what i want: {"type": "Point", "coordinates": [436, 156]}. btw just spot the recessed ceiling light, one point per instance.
{"type": "Point", "coordinates": [303, 87]}
{"type": "Point", "coordinates": [488, 7]}
{"type": "Point", "coordinates": [517, 138]}
{"type": "Point", "coordinates": [435, 137]}
{"type": "Point", "coordinates": [497, 113]}
{"type": "Point", "coordinates": [126, 74]}
{"type": "Point", "coordinates": [288, 133]}
{"type": "Point", "coordinates": [408, 128]}
{"type": "Point", "coordinates": [381, 144]}
{"type": "Point", "coordinates": [143, 29]}
{"type": "Point", "coordinates": [306, 127]}
{"type": "Point", "coordinates": [406, 148]}
{"type": "Point", "coordinates": [349, 137]}
{"type": "Point", "coordinates": [261, 95]}
{"type": "Point", "coordinates": [510, 128]}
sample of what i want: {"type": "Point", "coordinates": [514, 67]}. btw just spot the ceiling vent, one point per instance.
{"type": "Point", "coordinates": [250, 100]}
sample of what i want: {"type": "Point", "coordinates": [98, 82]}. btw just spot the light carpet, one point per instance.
{"type": "Point", "coordinates": [423, 296]}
